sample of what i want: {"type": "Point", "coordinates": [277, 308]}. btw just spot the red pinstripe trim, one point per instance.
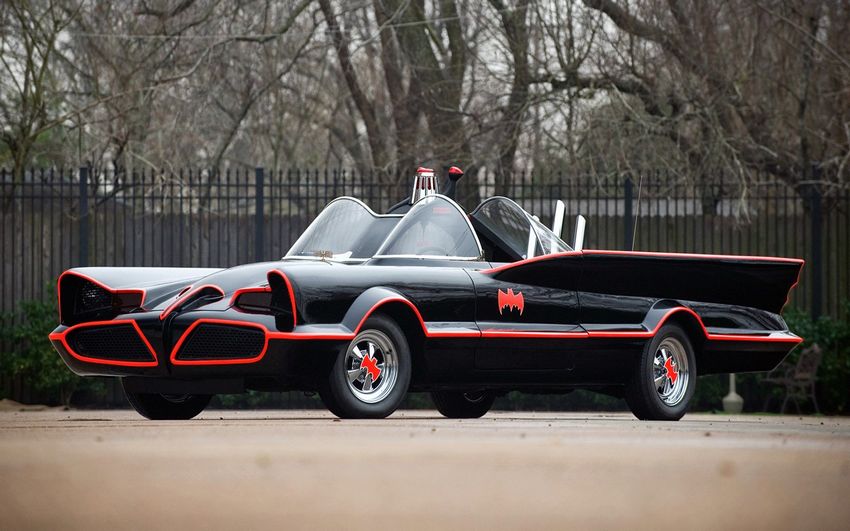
{"type": "Point", "coordinates": [496, 333]}
{"type": "Point", "coordinates": [185, 296]}
{"type": "Point", "coordinates": [233, 361]}
{"type": "Point", "coordinates": [97, 283]}
{"type": "Point", "coordinates": [62, 338]}
{"type": "Point", "coordinates": [642, 253]}
{"type": "Point", "coordinates": [532, 334]}
{"type": "Point", "coordinates": [309, 335]}
{"type": "Point", "coordinates": [291, 294]}
{"type": "Point", "coordinates": [708, 335]}
{"type": "Point", "coordinates": [794, 285]}
{"type": "Point", "coordinates": [697, 256]}
{"type": "Point", "coordinates": [530, 260]}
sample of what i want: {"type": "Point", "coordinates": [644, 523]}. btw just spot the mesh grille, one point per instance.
{"type": "Point", "coordinates": [116, 342]}
{"type": "Point", "coordinates": [214, 341]}
{"type": "Point", "coordinates": [92, 297]}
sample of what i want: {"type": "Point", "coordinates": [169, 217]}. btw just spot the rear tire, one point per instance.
{"type": "Point", "coordinates": [461, 405]}
{"type": "Point", "coordinates": [370, 376]}
{"type": "Point", "coordinates": [329, 401]}
{"type": "Point", "coordinates": [664, 378]}
{"type": "Point", "coordinates": [155, 406]}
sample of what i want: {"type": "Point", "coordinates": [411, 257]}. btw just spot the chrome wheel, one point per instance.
{"type": "Point", "coordinates": [371, 365]}
{"type": "Point", "coordinates": [670, 371]}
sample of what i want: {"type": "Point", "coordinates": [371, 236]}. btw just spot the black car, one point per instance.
{"type": "Point", "coordinates": [366, 307]}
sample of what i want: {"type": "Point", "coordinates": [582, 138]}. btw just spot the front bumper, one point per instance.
{"type": "Point", "coordinates": [285, 356]}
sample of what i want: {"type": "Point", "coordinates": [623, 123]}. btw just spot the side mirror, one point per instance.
{"type": "Point", "coordinates": [558, 221]}
{"type": "Point", "coordinates": [578, 242]}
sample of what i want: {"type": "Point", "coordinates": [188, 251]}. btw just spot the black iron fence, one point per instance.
{"type": "Point", "coordinates": [53, 220]}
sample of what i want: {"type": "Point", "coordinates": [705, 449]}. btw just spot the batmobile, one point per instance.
{"type": "Point", "coordinates": [366, 307]}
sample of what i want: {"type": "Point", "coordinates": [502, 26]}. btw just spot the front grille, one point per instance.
{"type": "Point", "coordinates": [217, 342]}
{"type": "Point", "coordinates": [114, 342]}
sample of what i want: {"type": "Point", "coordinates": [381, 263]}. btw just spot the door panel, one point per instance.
{"type": "Point", "coordinates": [524, 325]}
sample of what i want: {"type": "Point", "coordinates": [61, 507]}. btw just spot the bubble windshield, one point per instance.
{"type": "Point", "coordinates": [516, 229]}
{"type": "Point", "coordinates": [346, 230]}
{"type": "Point", "coordinates": [435, 227]}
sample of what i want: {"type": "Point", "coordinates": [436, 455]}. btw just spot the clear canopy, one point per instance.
{"type": "Point", "coordinates": [435, 227]}
{"type": "Point", "coordinates": [346, 230]}
{"type": "Point", "coordinates": [516, 228]}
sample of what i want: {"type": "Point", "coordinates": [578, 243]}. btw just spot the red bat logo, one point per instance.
{"type": "Point", "coordinates": [511, 301]}
{"type": "Point", "coordinates": [371, 365]}
{"type": "Point", "coordinates": [672, 370]}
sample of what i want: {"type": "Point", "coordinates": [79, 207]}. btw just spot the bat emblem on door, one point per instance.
{"type": "Point", "coordinates": [511, 301]}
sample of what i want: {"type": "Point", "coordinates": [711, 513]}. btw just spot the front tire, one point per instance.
{"type": "Point", "coordinates": [664, 379]}
{"type": "Point", "coordinates": [461, 405]}
{"type": "Point", "coordinates": [370, 377]}
{"type": "Point", "coordinates": [155, 406]}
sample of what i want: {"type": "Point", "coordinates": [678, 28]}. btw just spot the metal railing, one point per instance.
{"type": "Point", "coordinates": [54, 219]}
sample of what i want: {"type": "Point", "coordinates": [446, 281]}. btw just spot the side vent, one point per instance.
{"type": "Point", "coordinates": [255, 301]}
{"type": "Point", "coordinates": [282, 303]}
{"type": "Point", "coordinates": [216, 341]}
{"type": "Point", "coordinates": [82, 299]}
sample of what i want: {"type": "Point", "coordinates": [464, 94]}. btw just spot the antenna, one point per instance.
{"type": "Point", "coordinates": [637, 212]}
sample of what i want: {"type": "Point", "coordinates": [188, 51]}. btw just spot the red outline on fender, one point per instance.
{"type": "Point", "coordinates": [425, 330]}
{"type": "Point", "coordinates": [229, 361]}
{"type": "Point", "coordinates": [291, 294]}
{"type": "Point", "coordinates": [97, 283]}
{"type": "Point", "coordinates": [62, 338]}
{"type": "Point", "coordinates": [185, 295]}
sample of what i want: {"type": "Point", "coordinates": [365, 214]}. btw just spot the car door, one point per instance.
{"type": "Point", "coordinates": [528, 314]}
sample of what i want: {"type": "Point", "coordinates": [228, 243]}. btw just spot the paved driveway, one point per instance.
{"type": "Point", "coordinates": [416, 470]}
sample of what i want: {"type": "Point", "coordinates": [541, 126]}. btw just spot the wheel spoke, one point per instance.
{"type": "Point", "coordinates": [367, 382]}
{"type": "Point", "coordinates": [371, 350]}
{"type": "Point", "coordinates": [354, 374]}
{"type": "Point", "coordinates": [661, 381]}
{"type": "Point", "coordinates": [357, 352]}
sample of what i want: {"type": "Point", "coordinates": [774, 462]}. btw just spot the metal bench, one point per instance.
{"type": "Point", "coordinates": [798, 379]}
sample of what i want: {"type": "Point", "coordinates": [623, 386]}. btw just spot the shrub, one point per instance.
{"type": "Point", "coordinates": [27, 352]}
{"type": "Point", "coordinates": [833, 337]}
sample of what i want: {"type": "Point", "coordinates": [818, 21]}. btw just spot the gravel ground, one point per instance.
{"type": "Point", "coordinates": [416, 470]}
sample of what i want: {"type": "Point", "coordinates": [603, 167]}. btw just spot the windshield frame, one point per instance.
{"type": "Point", "coordinates": [534, 224]}
{"type": "Point", "coordinates": [465, 217]}
{"type": "Point", "coordinates": [331, 259]}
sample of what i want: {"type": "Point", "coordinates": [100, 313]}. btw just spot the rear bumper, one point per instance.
{"type": "Point", "coordinates": [745, 356]}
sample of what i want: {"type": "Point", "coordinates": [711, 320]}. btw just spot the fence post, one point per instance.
{"type": "Point", "coordinates": [816, 213]}
{"type": "Point", "coordinates": [84, 216]}
{"type": "Point", "coordinates": [259, 225]}
{"type": "Point", "coordinates": [629, 217]}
